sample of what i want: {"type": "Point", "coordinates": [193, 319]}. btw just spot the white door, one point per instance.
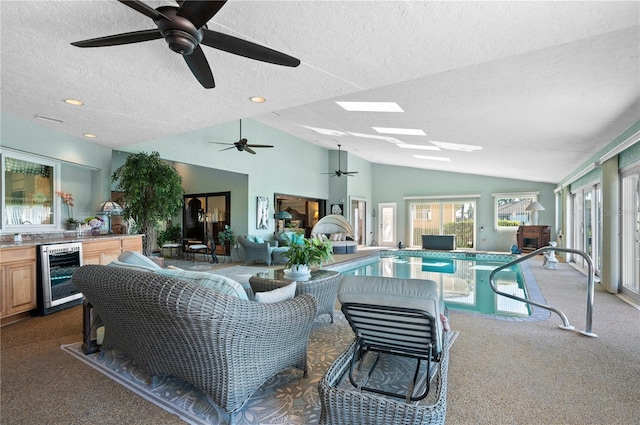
{"type": "Point", "coordinates": [387, 224]}
{"type": "Point", "coordinates": [630, 226]}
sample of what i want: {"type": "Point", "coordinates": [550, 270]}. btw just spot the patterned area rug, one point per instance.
{"type": "Point", "coordinates": [287, 398]}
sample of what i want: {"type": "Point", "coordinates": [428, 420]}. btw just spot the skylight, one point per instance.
{"type": "Point", "coordinates": [419, 147]}
{"type": "Point", "coordinates": [457, 146]}
{"type": "Point", "coordinates": [432, 158]}
{"type": "Point", "coordinates": [371, 106]}
{"type": "Point", "coordinates": [373, 136]}
{"type": "Point", "coordinates": [404, 131]}
{"type": "Point", "coordinates": [326, 131]}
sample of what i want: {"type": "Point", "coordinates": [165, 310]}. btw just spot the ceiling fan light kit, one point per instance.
{"type": "Point", "coordinates": [184, 28]}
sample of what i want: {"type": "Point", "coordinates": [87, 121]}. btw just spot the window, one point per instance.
{"type": "Point", "coordinates": [29, 200]}
{"type": "Point", "coordinates": [442, 215]}
{"type": "Point", "coordinates": [511, 208]}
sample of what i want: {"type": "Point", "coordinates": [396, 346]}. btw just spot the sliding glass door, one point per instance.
{"type": "Point", "coordinates": [630, 226]}
{"type": "Point", "coordinates": [441, 216]}
{"type": "Point", "coordinates": [587, 225]}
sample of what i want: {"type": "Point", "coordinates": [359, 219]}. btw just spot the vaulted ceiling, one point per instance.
{"type": "Point", "coordinates": [527, 90]}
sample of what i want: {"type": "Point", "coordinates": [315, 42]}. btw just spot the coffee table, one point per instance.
{"type": "Point", "coordinates": [323, 284]}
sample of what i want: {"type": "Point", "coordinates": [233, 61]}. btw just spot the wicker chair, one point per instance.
{"type": "Point", "coordinates": [351, 407]}
{"type": "Point", "coordinates": [215, 341]}
{"type": "Point", "coordinates": [257, 251]}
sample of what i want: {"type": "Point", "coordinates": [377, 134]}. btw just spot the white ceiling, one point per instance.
{"type": "Point", "coordinates": [539, 86]}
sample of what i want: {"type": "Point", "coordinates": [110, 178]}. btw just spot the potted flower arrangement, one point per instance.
{"type": "Point", "coordinates": [304, 253]}
{"type": "Point", "coordinates": [95, 224]}
{"type": "Point", "coordinates": [67, 198]}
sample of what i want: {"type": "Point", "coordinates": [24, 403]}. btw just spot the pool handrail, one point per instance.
{"type": "Point", "coordinates": [565, 321]}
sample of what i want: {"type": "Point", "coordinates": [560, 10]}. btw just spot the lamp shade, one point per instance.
{"type": "Point", "coordinates": [284, 215]}
{"type": "Point", "coordinates": [109, 208]}
{"type": "Point", "coordinates": [535, 206]}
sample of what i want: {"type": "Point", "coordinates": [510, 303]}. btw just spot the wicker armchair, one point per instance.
{"type": "Point", "coordinates": [215, 341]}
{"type": "Point", "coordinates": [351, 407]}
{"type": "Point", "coordinates": [257, 251]}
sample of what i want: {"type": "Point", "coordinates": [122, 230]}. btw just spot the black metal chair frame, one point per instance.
{"type": "Point", "coordinates": [210, 245]}
{"type": "Point", "coordinates": [397, 331]}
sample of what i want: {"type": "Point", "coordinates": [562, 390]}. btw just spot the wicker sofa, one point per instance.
{"type": "Point", "coordinates": [213, 340]}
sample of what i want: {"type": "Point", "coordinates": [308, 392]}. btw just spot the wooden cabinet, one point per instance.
{"type": "Point", "coordinates": [531, 238]}
{"type": "Point", "coordinates": [18, 281]}
{"type": "Point", "coordinates": [104, 251]}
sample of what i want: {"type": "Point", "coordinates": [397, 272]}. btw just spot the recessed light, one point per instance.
{"type": "Point", "coordinates": [371, 106]}
{"type": "Point", "coordinates": [74, 102]}
{"type": "Point", "coordinates": [404, 131]}
{"type": "Point", "coordinates": [419, 147]}
{"type": "Point", "coordinates": [432, 158]}
{"type": "Point", "coordinates": [257, 99]}
{"type": "Point", "coordinates": [89, 135]}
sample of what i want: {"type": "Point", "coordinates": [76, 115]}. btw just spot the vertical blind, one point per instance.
{"type": "Point", "coordinates": [441, 215]}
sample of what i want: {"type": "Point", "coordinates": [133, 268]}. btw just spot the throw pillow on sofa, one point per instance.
{"type": "Point", "coordinates": [135, 258]}
{"type": "Point", "coordinates": [218, 283]}
{"type": "Point", "coordinates": [283, 293]}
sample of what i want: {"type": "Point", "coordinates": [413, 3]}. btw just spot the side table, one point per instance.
{"type": "Point", "coordinates": [323, 284]}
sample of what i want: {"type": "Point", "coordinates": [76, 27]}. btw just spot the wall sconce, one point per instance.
{"type": "Point", "coordinates": [534, 207]}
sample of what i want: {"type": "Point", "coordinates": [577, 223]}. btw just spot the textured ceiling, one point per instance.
{"type": "Point", "coordinates": [533, 88]}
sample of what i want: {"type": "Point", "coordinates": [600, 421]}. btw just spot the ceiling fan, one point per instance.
{"type": "Point", "coordinates": [242, 144]}
{"type": "Point", "coordinates": [338, 172]}
{"type": "Point", "coordinates": [184, 28]}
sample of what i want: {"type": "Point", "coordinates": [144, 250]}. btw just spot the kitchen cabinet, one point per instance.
{"type": "Point", "coordinates": [18, 282]}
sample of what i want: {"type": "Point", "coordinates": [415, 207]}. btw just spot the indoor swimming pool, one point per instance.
{"type": "Point", "coordinates": [462, 278]}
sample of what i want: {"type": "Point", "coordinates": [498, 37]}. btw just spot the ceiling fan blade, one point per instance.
{"type": "Point", "coordinates": [245, 48]}
{"type": "Point", "coordinates": [350, 172]}
{"type": "Point", "coordinates": [248, 149]}
{"type": "Point", "coordinates": [220, 143]}
{"type": "Point", "coordinates": [226, 149]}
{"type": "Point", "coordinates": [199, 12]}
{"type": "Point", "coordinates": [118, 39]}
{"type": "Point", "coordinates": [144, 9]}
{"type": "Point", "coordinates": [260, 146]}
{"type": "Point", "coordinates": [200, 67]}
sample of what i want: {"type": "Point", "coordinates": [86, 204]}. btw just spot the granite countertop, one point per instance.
{"type": "Point", "coordinates": [28, 240]}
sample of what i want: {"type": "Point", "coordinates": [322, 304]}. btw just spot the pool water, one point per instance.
{"type": "Point", "coordinates": [463, 282]}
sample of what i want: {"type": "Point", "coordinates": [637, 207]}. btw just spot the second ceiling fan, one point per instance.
{"type": "Point", "coordinates": [339, 172]}
{"type": "Point", "coordinates": [242, 144]}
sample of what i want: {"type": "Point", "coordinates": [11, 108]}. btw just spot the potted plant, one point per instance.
{"type": "Point", "coordinates": [227, 235]}
{"type": "Point", "coordinates": [304, 253]}
{"type": "Point", "coordinates": [152, 192]}
{"type": "Point", "coordinates": [172, 233]}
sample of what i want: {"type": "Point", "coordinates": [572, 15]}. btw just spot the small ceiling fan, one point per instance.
{"type": "Point", "coordinates": [242, 144]}
{"type": "Point", "coordinates": [338, 172]}
{"type": "Point", "coordinates": [184, 28]}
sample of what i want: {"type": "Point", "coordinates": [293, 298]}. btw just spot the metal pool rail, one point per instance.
{"type": "Point", "coordinates": [565, 321]}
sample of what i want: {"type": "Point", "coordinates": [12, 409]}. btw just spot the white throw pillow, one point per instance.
{"type": "Point", "coordinates": [275, 296]}
{"type": "Point", "coordinates": [335, 237]}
